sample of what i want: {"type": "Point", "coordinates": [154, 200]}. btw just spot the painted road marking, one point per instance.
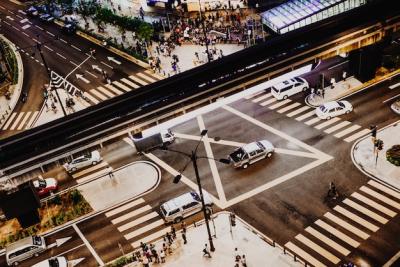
{"type": "Point", "coordinates": [49, 48]}
{"type": "Point", "coordinates": [357, 219]}
{"type": "Point", "coordinates": [292, 106]}
{"type": "Point", "coordinates": [33, 117]}
{"type": "Point", "coordinates": [258, 99]}
{"type": "Point", "coordinates": [91, 98]}
{"type": "Point", "coordinates": [24, 21]}
{"type": "Point", "coordinates": [21, 125]}
{"type": "Point", "coordinates": [128, 82]}
{"type": "Point", "coordinates": [357, 135]}
{"type": "Point", "coordinates": [58, 54]}
{"type": "Point", "coordinates": [254, 95]}
{"type": "Point", "coordinates": [115, 90]}
{"type": "Point", "coordinates": [92, 251]}
{"type": "Point", "coordinates": [39, 27]}
{"type": "Point", "coordinates": [88, 72]}
{"type": "Point", "coordinates": [374, 204]}
{"type": "Point", "coordinates": [18, 30]}
{"type": "Point", "coordinates": [17, 120]}
{"type": "Point", "coordinates": [50, 33]}
{"type": "Point", "coordinates": [318, 249]}
{"type": "Point", "coordinates": [337, 127]}
{"type": "Point", "coordinates": [326, 123]}
{"type": "Point", "coordinates": [382, 198]}
{"type": "Point", "coordinates": [298, 111]}
{"type": "Point", "coordinates": [138, 221]}
{"type": "Point", "coordinates": [94, 175]}
{"type": "Point", "coordinates": [151, 237]}
{"type": "Point", "coordinates": [10, 18]}
{"type": "Point", "coordinates": [131, 214]}
{"type": "Point", "coordinates": [305, 116]}
{"type": "Point", "coordinates": [125, 207]}
{"type": "Point", "coordinates": [347, 131]}
{"type": "Point", "coordinates": [144, 229]}
{"type": "Point", "coordinates": [365, 211]}
{"type": "Point", "coordinates": [328, 241]}
{"type": "Point", "coordinates": [26, 26]}
{"type": "Point", "coordinates": [304, 255]}
{"type": "Point", "coordinates": [269, 101]}
{"type": "Point", "coordinates": [136, 79]}
{"type": "Point", "coordinates": [105, 91]}
{"type": "Point", "coordinates": [122, 86]}
{"type": "Point", "coordinates": [394, 86]}
{"type": "Point", "coordinates": [337, 233]}
{"type": "Point", "coordinates": [312, 121]}
{"type": "Point", "coordinates": [142, 75]}
{"type": "Point", "coordinates": [62, 40]}
{"type": "Point", "coordinates": [98, 94]}
{"type": "Point", "coordinates": [9, 121]}
{"type": "Point", "coordinates": [346, 225]}
{"type": "Point", "coordinates": [281, 103]}
{"type": "Point", "coordinates": [77, 48]}
{"type": "Point", "coordinates": [89, 170]}
{"type": "Point", "coordinates": [105, 64]}
{"type": "Point", "coordinates": [384, 189]}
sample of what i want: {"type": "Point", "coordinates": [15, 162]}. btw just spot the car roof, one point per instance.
{"type": "Point", "coordinates": [178, 201]}
{"type": "Point", "coordinates": [18, 244]}
{"type": "Point", "coordinates": [332, 104]}
{"type": "Point", "coordinates": [287, 82]}
{"type": "Point", "coordinates": [251, 147]}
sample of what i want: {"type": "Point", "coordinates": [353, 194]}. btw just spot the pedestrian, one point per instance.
{"type": "Point", "coordinates": [169, 238]}
{"type": "Point", "coordinates": [145, 261]}
{"type": "Point", "coordinates": [173, 232]}
{"type": "Point", "coordinates": [108, 81]}
{"type": "Point", "coordinates": [332, 192]}
{"type": "Point", "coordinates": [155, 255]}
{"type": "Point", "coordinates": [206, 252]}
{"type": "Point", "coordinates": [110, 173]}
{"type": "Point", "coordinates": [323, 92]}
{"type": "Point", "coordinates": [162, 256]}
{"type": "Point", "coordinates": [344, 75]}
{"type": "Point", "coordinates": [183, 227]}
{"type": "Point", "coordinates": [237, 255]}
{"type": "Point", "coordinates": [184, 237]}
{"type": "Point", "coordinates": [332, 82]}
{"type": "Point", "coordinates": [244, 263]}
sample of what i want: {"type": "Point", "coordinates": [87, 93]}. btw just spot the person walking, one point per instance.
{"type": "Point", "coordinates": [344, 75]}
{"type": "Point", "coordinates": [333, 82]}
{"type": "Point", "coordinates": [145, 261]}
{"type": "Point", "coordinates": [237, 255]}
{"type": "Point", "coordinates": [184, 238]}
{"type": "Point", "coordinates": [243, 261]}
{"type": "Point", "coordinates": [206, 252]}
{"type": "Point", "coordinates": [173, 232]}
{"type": "Point", "coordinates": [183, 227]}
{"type": "Point", "coordinates": [162, 256]}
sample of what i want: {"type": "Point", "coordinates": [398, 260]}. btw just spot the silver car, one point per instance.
{"type": "Point", "coordinates": [396, 107]}
{"type": "Point", "coordinates": [83, 161]}
{"type": "Point", "coordinates": [251, 153]}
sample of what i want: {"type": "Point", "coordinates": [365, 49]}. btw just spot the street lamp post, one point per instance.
{"type": "Point", "coordinates": [193, 158]}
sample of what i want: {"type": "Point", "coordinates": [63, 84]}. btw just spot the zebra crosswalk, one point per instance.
{"type": "Point", "coordinates": [92, 172]}
{"type": "Point", "coordinates": [331, 238]}
{"type": "Point", "coordinates": [138, 222]}
{"type": "Point", "coordinates": [342, 129]}
{"type": "Point", "coordinates": [20, 120]}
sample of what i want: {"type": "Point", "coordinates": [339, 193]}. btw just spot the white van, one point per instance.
{"type": "Point", "coordinates": [24, 249]}
{"type": "Point", "coordinates": [185, 205]}
{"type": "Point", "coordinates": [251, 153]}
{"type": "Point", "coordinates": [289, 87]}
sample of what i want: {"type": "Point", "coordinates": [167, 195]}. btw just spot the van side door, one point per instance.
{"type": "Point", "coordinates": [191, 208]}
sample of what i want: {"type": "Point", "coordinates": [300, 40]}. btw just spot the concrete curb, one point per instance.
{"type": "Point", "coordinates": [18, 87]}
{"type": "Point", "coordinates": [361, 169]}
{"type": "Point", "coordinates": [110, 48]}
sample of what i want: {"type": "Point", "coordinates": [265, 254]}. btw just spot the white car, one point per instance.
{"type": "Point", "coordinates": [251, 153]}
{"type": "Point", "coordinates": [53, 262]}
{"type": "Point", "coordinates": [396, 107]}
{"type": "Point", "coordinates": [83, 161]}
{"type": "Point", "coordinates": [289, 87]}
{"type": "Point", "coordinates": [332, 109]}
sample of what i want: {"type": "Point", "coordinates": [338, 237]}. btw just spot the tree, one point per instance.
{"type": "Point", "coordinates": [145, 31]}
{"type": "Point", "coordinates": [393, 155]}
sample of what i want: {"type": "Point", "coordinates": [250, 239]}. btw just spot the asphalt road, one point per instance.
{"type": "Point", "coordinates": [63, 53]}
{"type": "Point", "coordinates": [281, 196]}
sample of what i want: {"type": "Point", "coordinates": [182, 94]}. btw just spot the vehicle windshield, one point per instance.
{"type": "Point", "coordinates": [276, 90]}
{"type": "Point", "coordinates": [37, 240]}
{"type": "Point", "coordinates": [322, 108]}
{"type": "Point", "coordinates": [237, 155]}
{"type": "Point", "coordinates": [341, 104]}
{"type": "Point", "coordinates": [42, 183]}
{"type": "Point", "coordinates": [195, 196]}
{"type": "Point", "coordinates": [163, 210]}
{"type": "Point", "coordinates": [260, 145]}
{"type": "Point", "coordinates": [54, 262]}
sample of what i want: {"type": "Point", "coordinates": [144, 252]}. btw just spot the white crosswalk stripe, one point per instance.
{"type": "Point", "coordinates": [128, 82]}
{"type": "Point", "coordinates": [9, 121]}
{"type": "Point", "coordinates": [305, 116]}
{"type": "Point", "coordinates": [20, 120]}
{"type": "Point", "coordinates": [258, 99]}
{"type": "Point", "coordinates": [122, 86]}
{"type": "Point", "coordinates": [312, 121]}
{"type": "Point", "coordinates": [98, 94]}
{"type": "Point", "coordinates": [337, 127]}
{"type": "Point", "coordinates": [91, 98]}
{"type": "Point", "coordinates": [326, 123]}
{"type": "Point", "coordinates": [269, 101]}
{"type": "Point", "coordinates": [298, 111]}
{"type": "Point", "coordinates": [115, 90]}
{"type": "Point", "coordinates": [358, 214]}
{"type": "Point", "coordinates": [26, 117]}
{"type": "Point", "coordinates": [31, 120]}
{"type": "Point", "coordinates": [92, 172]}
{"type": "Point", "coordinates": [146, 77]}
{"type": "Point", "coordinates": [105, 91]}
{"type": "Point", "coordinates": [281, 103]}
{"type": "Point", "coordinates": [14, 125]}
{"type": "Point", "coordinates": [347, 131]}
{"type": "Point", "coordinates": [292, 106]}
{"type": "Point", "coordinates": [138, 80]}
{"type": "Point", "coordinates": [357, 135]}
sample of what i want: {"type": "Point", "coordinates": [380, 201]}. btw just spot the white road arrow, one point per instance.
{"type": "Point", "coordinates": [114, 60]}
{"type": "Point", "coordinates": [75, 262]}
{"type": "Point", "coordinates": [80, 76]}
{"type": "Point", "coordinates": [95, 67]}
{"type": "Point", "coordinates": [59, 242]}
{"type": "Point", "coordinates": [10, 18]}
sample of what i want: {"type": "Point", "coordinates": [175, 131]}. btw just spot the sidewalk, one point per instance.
{"type": "Point", "coordinates": [339, 90]}
{"type": "Point", "coordinates": [257, 251]}
{"type": "Point", "coordinates": [364, 158]}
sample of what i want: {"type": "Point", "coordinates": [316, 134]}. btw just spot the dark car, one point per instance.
{"type": "Point", "coordinates": [46, 18]}
{"type": "Point", "coordinates": [69, 28]}
{"type": "Point", "coordinates": [32, 11]}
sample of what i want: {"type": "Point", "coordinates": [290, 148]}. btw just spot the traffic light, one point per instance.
{"type": "Point", "coordinates": [373, 129]}
{"type": "Point", "coordinates": [232, 218]}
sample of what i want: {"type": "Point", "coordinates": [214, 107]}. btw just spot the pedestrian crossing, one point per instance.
{"type": "Point", "coordinates": [331, 238]}
{"type": "Point", "coordinates": [138, 222]}
{"type": "Point", "coordinates": [135, 81]}
{"type": "Point", "coordinates": [92, 172]}
{"type": "Point", "coordinates": [20, 121]}
{"type": "Point", "coordinates": [341, 129]}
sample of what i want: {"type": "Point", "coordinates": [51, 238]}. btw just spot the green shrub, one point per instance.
{"type": "Point", "coordinates": [393, 155]}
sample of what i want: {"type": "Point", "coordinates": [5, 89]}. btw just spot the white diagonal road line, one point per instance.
{"type": "Point", "coordinates": [89, 247]}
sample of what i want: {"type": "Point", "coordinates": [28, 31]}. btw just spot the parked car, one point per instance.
{"type": "Point", "coordinates": [289, 87]}
{"type": "Point", "coordinates": [185, 205]}
{"type": "Point", "coordinates": [333, 109]}
{"type": "Point", "coordinates": [24, 248]}
{"type": "Point", "coordinates": [32, 11]}
{"type": "Point", "coordinates": [53, 262]}
{"type": "Point", "coordinates": [45, 186]}
{"type": "Point", "coordinates": [46, 18]}
{"type": "Point", "coordinates": [69, 28]}
{"type": "Point", "coordinates": [396, 107]}
{"type": "Point", "coordinates": [251, 153]}
{"type": "Point", "coordinates": [83, 161]}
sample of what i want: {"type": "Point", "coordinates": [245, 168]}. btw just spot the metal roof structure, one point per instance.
{"type": "Point", "coordinates": [295, 14]}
